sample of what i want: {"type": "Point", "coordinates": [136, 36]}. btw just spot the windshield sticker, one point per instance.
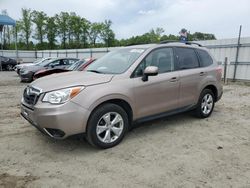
{"type": "Point", "coordinates": [137, 50]}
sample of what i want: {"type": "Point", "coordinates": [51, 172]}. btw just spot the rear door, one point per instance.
{"type": "Point", "coordinates": [191, 75]}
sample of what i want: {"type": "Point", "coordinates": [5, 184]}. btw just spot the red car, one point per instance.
{"type": "Point", "coordinates": [77, 66]}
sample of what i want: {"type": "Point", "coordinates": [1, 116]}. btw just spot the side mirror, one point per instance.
{"type": "Point", "coordinates": [149, 71]}
{"type": "Point", "coordinates": [52, 66]}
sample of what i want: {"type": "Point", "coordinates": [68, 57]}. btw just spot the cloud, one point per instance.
{"type": "Point", "coordinates": [132, 17]}
{"type": "Point", "coordinates": [146, 12]}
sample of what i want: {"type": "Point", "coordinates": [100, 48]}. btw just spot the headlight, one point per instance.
{"type": "Point", "coordinates": [62, 95]}
{"type": "Point", "coordinates": [24, 72]}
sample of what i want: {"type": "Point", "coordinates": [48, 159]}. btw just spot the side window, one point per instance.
{"type": "Point", "coordinates": [162, 58]}
{"type": "Point", "coordinates": [54, 63]}
{"type": "Point", "coordinates": [187, 58]}
{"type": "Point", "coordinates": [205, 58]}
{"type": "Point", "coordinates": [62, 62]}
{"type": "Point", "coordinates": [71, 61]}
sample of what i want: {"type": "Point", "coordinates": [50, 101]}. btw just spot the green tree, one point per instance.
{"type": "Point", "coordinates": [85, 24]}
{"type": "Point", "coordinates": [76, 28]}
{"type": "Point", "coordinates": [106, 34]}
{"type": "Point", "coordinates": [169, 37]}
{"type": "Point", "coordinates": [94, 33]}
{"type": "Point", "coordinates": [201, 36]}
{"type": "Point", "coordinates": [62, 21]}
{"type": "Point", "coordinates": [26, 26]}
{"type": "Point", "coordinates": [51, 34]}
{"type": "Point", "coordinates": [39, 19]}
{"type": "Point", "coordinates": [159, 32]}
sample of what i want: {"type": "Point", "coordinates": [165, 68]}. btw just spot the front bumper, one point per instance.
{"type": "Point", "coordinates": [57, 121]}
{"type": "Point", "coordinates": [17, 70]}
{"type": "Point", "coordinates": [26, 77]}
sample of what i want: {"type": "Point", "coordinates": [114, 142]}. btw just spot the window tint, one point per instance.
{"type": "Point", "coordinates": [56, 63]}
{"type": "Point", "coordinates": [72, 61]}
{"type": "Point", "coordinates": [205, 58]}
{"type": "Point", "coordinates": [187, 58]}
{"type": "Point", "coordinates": [162, 58]}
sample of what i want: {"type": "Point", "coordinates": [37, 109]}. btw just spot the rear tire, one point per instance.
{"type": "Point", "coordinates": [9, 67]}
{"type": "Point", "coordinates": [205, 104]}
{"type": "Point", "coordinates": [107, 126]}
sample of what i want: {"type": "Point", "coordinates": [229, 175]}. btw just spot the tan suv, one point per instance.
{"type": "Point", "coordinates": [129, 85]}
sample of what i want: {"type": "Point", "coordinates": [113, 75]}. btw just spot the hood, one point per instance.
{"type": "Point", "coordinates": [24, 65]}
{"type": "Point", "coordinates": [69, 79]}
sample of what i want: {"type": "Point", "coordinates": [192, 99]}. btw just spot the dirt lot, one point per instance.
{"type": "Point", "coordinates": [179, 151]}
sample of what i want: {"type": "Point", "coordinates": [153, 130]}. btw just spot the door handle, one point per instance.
{"type": "Point", "coordinates": [174, 79]}
{"type": "Point", "coordinates": [202, 73]}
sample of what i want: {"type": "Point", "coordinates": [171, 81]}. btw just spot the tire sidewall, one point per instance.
{"type": "Point", "coordinates": [9, 67]}
{"type": "Point", "coordinates": [199, 110]}
{"type": "Point", "coordinates": [93, 121]}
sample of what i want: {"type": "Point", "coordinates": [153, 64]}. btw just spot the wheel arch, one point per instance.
{"type": "Point", "coordinates": [213, 89]}
{"type": "Point", "coordinates": [124, 104]}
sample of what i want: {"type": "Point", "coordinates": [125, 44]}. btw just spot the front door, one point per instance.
{"type": "Point", "coordinates": [161, 92]}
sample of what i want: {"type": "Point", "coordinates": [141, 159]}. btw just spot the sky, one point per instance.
{"type": "Point", "coordinates": [135, 17]}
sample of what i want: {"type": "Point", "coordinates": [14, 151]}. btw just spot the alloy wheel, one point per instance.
{"type": "Point", "coordinates": [109, 127]}
{"type": "Point", "coordinates": [207, 104]}
{"type": "Point", "coordinates": [9, 67]}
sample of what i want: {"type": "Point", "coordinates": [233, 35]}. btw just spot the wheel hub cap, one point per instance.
{"type": "Point", "coordinates": [109, 127]}
{"type": "Point", "coordinates": [207, 104]}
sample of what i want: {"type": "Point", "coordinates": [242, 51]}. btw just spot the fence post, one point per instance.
{"type": "Point", "coordinates": [1, 68]}
{"type": "Point", "coordinates": [76, 53]}
{"type": "Point", "coordinates": [91, 53]}
{"type": "Point", "coordinates": [237, 54]}
{"type": "Point", "coordinates": [225, 71]}
{"type": "Point", "coordinates": [66, 53]}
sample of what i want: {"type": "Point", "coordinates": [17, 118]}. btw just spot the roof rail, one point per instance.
{"type": "Point", "coordinates": [196, 43]}
{"type": "Point", "coordinates": [176, 41]}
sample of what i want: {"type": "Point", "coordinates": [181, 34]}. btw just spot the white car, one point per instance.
{"type": "Point", "coordinates": [18, 67]}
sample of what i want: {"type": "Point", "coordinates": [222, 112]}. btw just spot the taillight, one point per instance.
{"type": "Point", "coordinates": [219, 70]}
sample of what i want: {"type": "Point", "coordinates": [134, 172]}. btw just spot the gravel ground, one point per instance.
{"type": "Point", "coordinates": [178, 151]}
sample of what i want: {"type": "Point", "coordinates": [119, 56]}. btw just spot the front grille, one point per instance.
{"type": "Point", "coordinates": [31, 95]}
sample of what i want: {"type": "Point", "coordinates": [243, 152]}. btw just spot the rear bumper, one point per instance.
{"type": "Point", "coordinates": [219, 96]}
{"type": "Point", "coordinates": [219, 92]}
{"type": "Point", "coordinates": [57, 121]}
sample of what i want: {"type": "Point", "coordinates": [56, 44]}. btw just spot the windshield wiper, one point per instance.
{"type": "Point", "coordinates": [95, 71]}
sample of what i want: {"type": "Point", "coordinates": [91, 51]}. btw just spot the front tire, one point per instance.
{"type": "Point", "coordinates": [205, 104]}
{"type": "Point", "coordinates": [107, 126]}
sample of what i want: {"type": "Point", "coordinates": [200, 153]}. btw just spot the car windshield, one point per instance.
{"type": "Point", "coordinates": [116, 62]}
{"type": "Point", "coordinates": [45, 62]}
{"type": "Point", "coordinates": [38, 61]}
{"type": "Point", "coordinates": [75, 65]}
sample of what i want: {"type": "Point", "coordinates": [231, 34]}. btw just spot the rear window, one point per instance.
{"type": "Point", "coordinates": [187, 58]}
{"type": "Point", "coordinates": [205, 58]}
